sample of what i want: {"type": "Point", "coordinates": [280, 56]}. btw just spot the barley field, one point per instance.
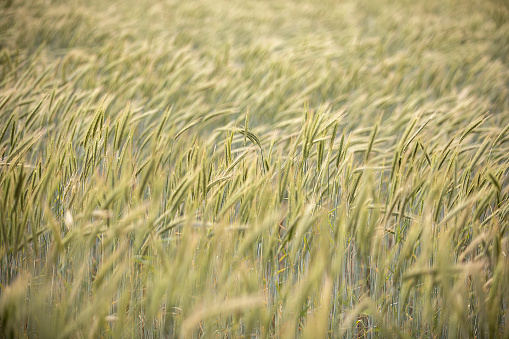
{"type": "Point", "coordinates": [272, 169]}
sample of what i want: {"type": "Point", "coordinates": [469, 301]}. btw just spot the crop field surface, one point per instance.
{"type": "Point", "coordinates": [254, 169]}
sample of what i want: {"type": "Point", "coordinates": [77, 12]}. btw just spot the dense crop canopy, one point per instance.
{"type": "Point", "coordinates": [261, 168]}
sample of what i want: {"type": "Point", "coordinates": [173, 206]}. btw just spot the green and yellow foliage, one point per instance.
{"type": "Point", "coordinates": [254, 168]}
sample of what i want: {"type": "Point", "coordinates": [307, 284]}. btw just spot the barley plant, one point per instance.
{"type": "Point", "coordinates": [257, 168]}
